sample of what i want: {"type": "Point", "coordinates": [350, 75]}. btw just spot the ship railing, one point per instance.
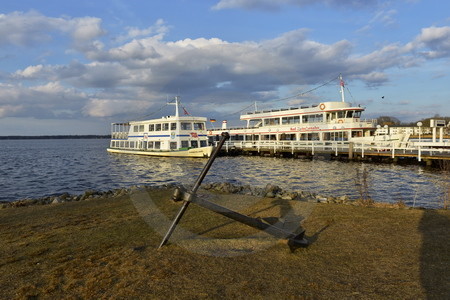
{"type": "Point", "coordinates": [391, 148]}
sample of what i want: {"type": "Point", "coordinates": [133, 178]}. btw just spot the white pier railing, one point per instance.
{"type": "Point", "coordinates": [385, 148]}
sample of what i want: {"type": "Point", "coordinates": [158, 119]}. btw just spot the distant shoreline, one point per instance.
{"type": "Point", "coordinates": [53, 137]}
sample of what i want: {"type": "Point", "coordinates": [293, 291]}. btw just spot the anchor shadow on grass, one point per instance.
{"type": "Point", "coordinates": [289, 218]}
{"type": "Point", "coordinates": [232, 221]}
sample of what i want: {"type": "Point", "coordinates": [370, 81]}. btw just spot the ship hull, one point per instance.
{"type": "Point", "coordinates": [194, 152]}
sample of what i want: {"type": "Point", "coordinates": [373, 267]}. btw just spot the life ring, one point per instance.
{"type": "Point", "coordinates": [340, 121]}
{"type": "Point", "coordinates": [322, 106]}
{"type": "Point", "coordinates": [210, 132]}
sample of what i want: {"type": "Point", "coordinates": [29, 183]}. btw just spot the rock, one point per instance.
{"type": "Point", "coordinates": [64, 196]}
{"type": "Point", "coordinates": [270, 195]}
{"type": "Point", "coordinates": [56, 200]}
{"type": "Point", "coordinates": [274, 189]}
{"type": "Point", "coordinates": [289, 195]}
{"type": "Point", "coordinates": [207, 186]}
{"type": "Point", "coordinates": [321, 199]}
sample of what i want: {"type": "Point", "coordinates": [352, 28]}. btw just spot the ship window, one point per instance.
{"type": "Point", "coordinates": [291, 120]}
{"type": "Point", "coordinates": [237, 137]}
{"type": "Point", "coordinates": [173, 126]}
{"type": "Point", "coordinates": [269, 137]}
{"type": "Point", "coordinates": [157, 127]}
{"type": "Point", "coordinates": [341, 114]}
{"type": "Point", "coordinates": [203, 143]}
{"type": "Point", "coordinates": [173, 145]}
{"type": "Point", "coordinates": [157, 145]}
{"type": "Point", "coordinates": [272, 121]}
{"type": "Point", "coordinates": [131, 144]}
{"type": "Point", "coordinates": [151, 127]}
{"type": "Point", "coordinates": [186, 126]}
{"type": "Point", "coordinates": [184, 144]}
{"type": "Point", "coordinates": [199, 126]}
{"type": "Point", "coordinates": [357, 114]}
{"type": "Point", "coordinates": [287, 137]}
{"type": "Point", "coordinates": [135, 128]}
{"type": "Point", "coordinates": [350, 114]}
{"type": "Point", "coordinates": [141, 128]}
{"type": "Point", "coordinates": [127, 144]}
{"type": "Point", "coordinates": [150, 145]}
{"type": "Point", "coordinates": [305, 119]}
{"type": "Point", "coordinates": [194, 144]}
{"type": "Point", "coordinates": [165, 126]}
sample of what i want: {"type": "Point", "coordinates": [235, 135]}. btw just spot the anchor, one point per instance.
{"type": "Point", "coordinates": [294, 240]}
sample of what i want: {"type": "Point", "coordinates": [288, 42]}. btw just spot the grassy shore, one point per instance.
{"type": "Point", "coordinates": [107, 248]}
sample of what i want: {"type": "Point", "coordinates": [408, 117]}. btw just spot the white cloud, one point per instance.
{"type": "Point", "coordinates": [433, 42]}
{"type": "Point", "coordinates": [29, 72]}
{"type": "Point", "coordinates": [160, 27]}
{"type": "Point", "coordinates": [41, 101]}
{"type": "Point", "coordinates": [110, 107]}
{"type": "Point", "coordinates": [30, 28]}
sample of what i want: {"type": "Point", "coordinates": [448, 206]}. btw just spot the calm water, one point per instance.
{"type": "Point", "coordinates": [37, 168]}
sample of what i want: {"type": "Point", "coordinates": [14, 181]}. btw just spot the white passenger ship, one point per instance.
{"type": "Point", "coordinates": [326, 121]}
{"type": "Point", "coordinates": [179, 136]}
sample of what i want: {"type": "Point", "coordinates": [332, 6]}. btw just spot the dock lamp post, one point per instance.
{"type": "Point", "coordinates": [419, 124]}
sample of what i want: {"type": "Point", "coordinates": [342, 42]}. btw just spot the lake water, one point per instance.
{"type": "Point", "coordinates": [37, 168]}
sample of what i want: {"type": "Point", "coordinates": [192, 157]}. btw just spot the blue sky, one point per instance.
{"type": "Point", "coordinates": [73, 67]}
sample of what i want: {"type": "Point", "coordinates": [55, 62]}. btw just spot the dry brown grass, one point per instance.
{"type": "Point", "coordinates": [105, 249]}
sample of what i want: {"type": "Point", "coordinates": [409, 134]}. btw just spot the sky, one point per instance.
{"type": "Point", "coordinates": [74, 67]}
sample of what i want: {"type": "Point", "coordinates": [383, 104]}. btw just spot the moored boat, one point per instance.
{"type": "Point", "coordinates": [326, 121]}
{"type": "Point", "coordinates": [173, 136]}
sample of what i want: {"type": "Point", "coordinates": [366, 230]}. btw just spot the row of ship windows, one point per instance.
{"type": "Point", "coordinates": [314, 118]}
{"type": "Point", "coordinates": [167, 126]}
{"type": "Point", "coordinates": [313, 136]}
{"type": "Point", "coordinates": [149, 145]}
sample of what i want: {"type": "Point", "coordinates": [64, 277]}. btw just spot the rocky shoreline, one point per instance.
{"type": "Point", "coordinates": [269, 191]}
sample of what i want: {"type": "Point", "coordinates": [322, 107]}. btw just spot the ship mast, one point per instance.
{"type": "Point", "coordinates": [177, 103]}
{"type": "Point", "coordinates": [341, 82]}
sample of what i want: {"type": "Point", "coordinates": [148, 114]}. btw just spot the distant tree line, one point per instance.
{"type": "Point", "coordinates": [47, 137]}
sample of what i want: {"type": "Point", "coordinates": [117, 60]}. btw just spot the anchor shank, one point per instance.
{"type": "Point", "coordinates": [209, 163]}
{"type": "Point", "coordinates": [194, 189]}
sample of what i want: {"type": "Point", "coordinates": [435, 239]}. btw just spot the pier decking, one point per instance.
{"type": "Point", "coordinates": [393, 150]}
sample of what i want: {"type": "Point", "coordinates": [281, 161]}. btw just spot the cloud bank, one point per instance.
{"type": "Point", "coordinates": [141, 67]}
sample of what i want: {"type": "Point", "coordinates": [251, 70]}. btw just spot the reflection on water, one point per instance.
{"type": "Point", "coordinates": [39, 168]}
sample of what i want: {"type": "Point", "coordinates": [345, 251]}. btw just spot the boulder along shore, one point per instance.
{"type": "Point", "coordinates": [269, 191]}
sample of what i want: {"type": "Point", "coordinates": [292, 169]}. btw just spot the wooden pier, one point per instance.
{"type": "Point", "coordinates": [394, 151]}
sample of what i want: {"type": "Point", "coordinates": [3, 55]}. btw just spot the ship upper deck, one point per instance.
{"type": "Point", "coordinates": [292, 111]}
